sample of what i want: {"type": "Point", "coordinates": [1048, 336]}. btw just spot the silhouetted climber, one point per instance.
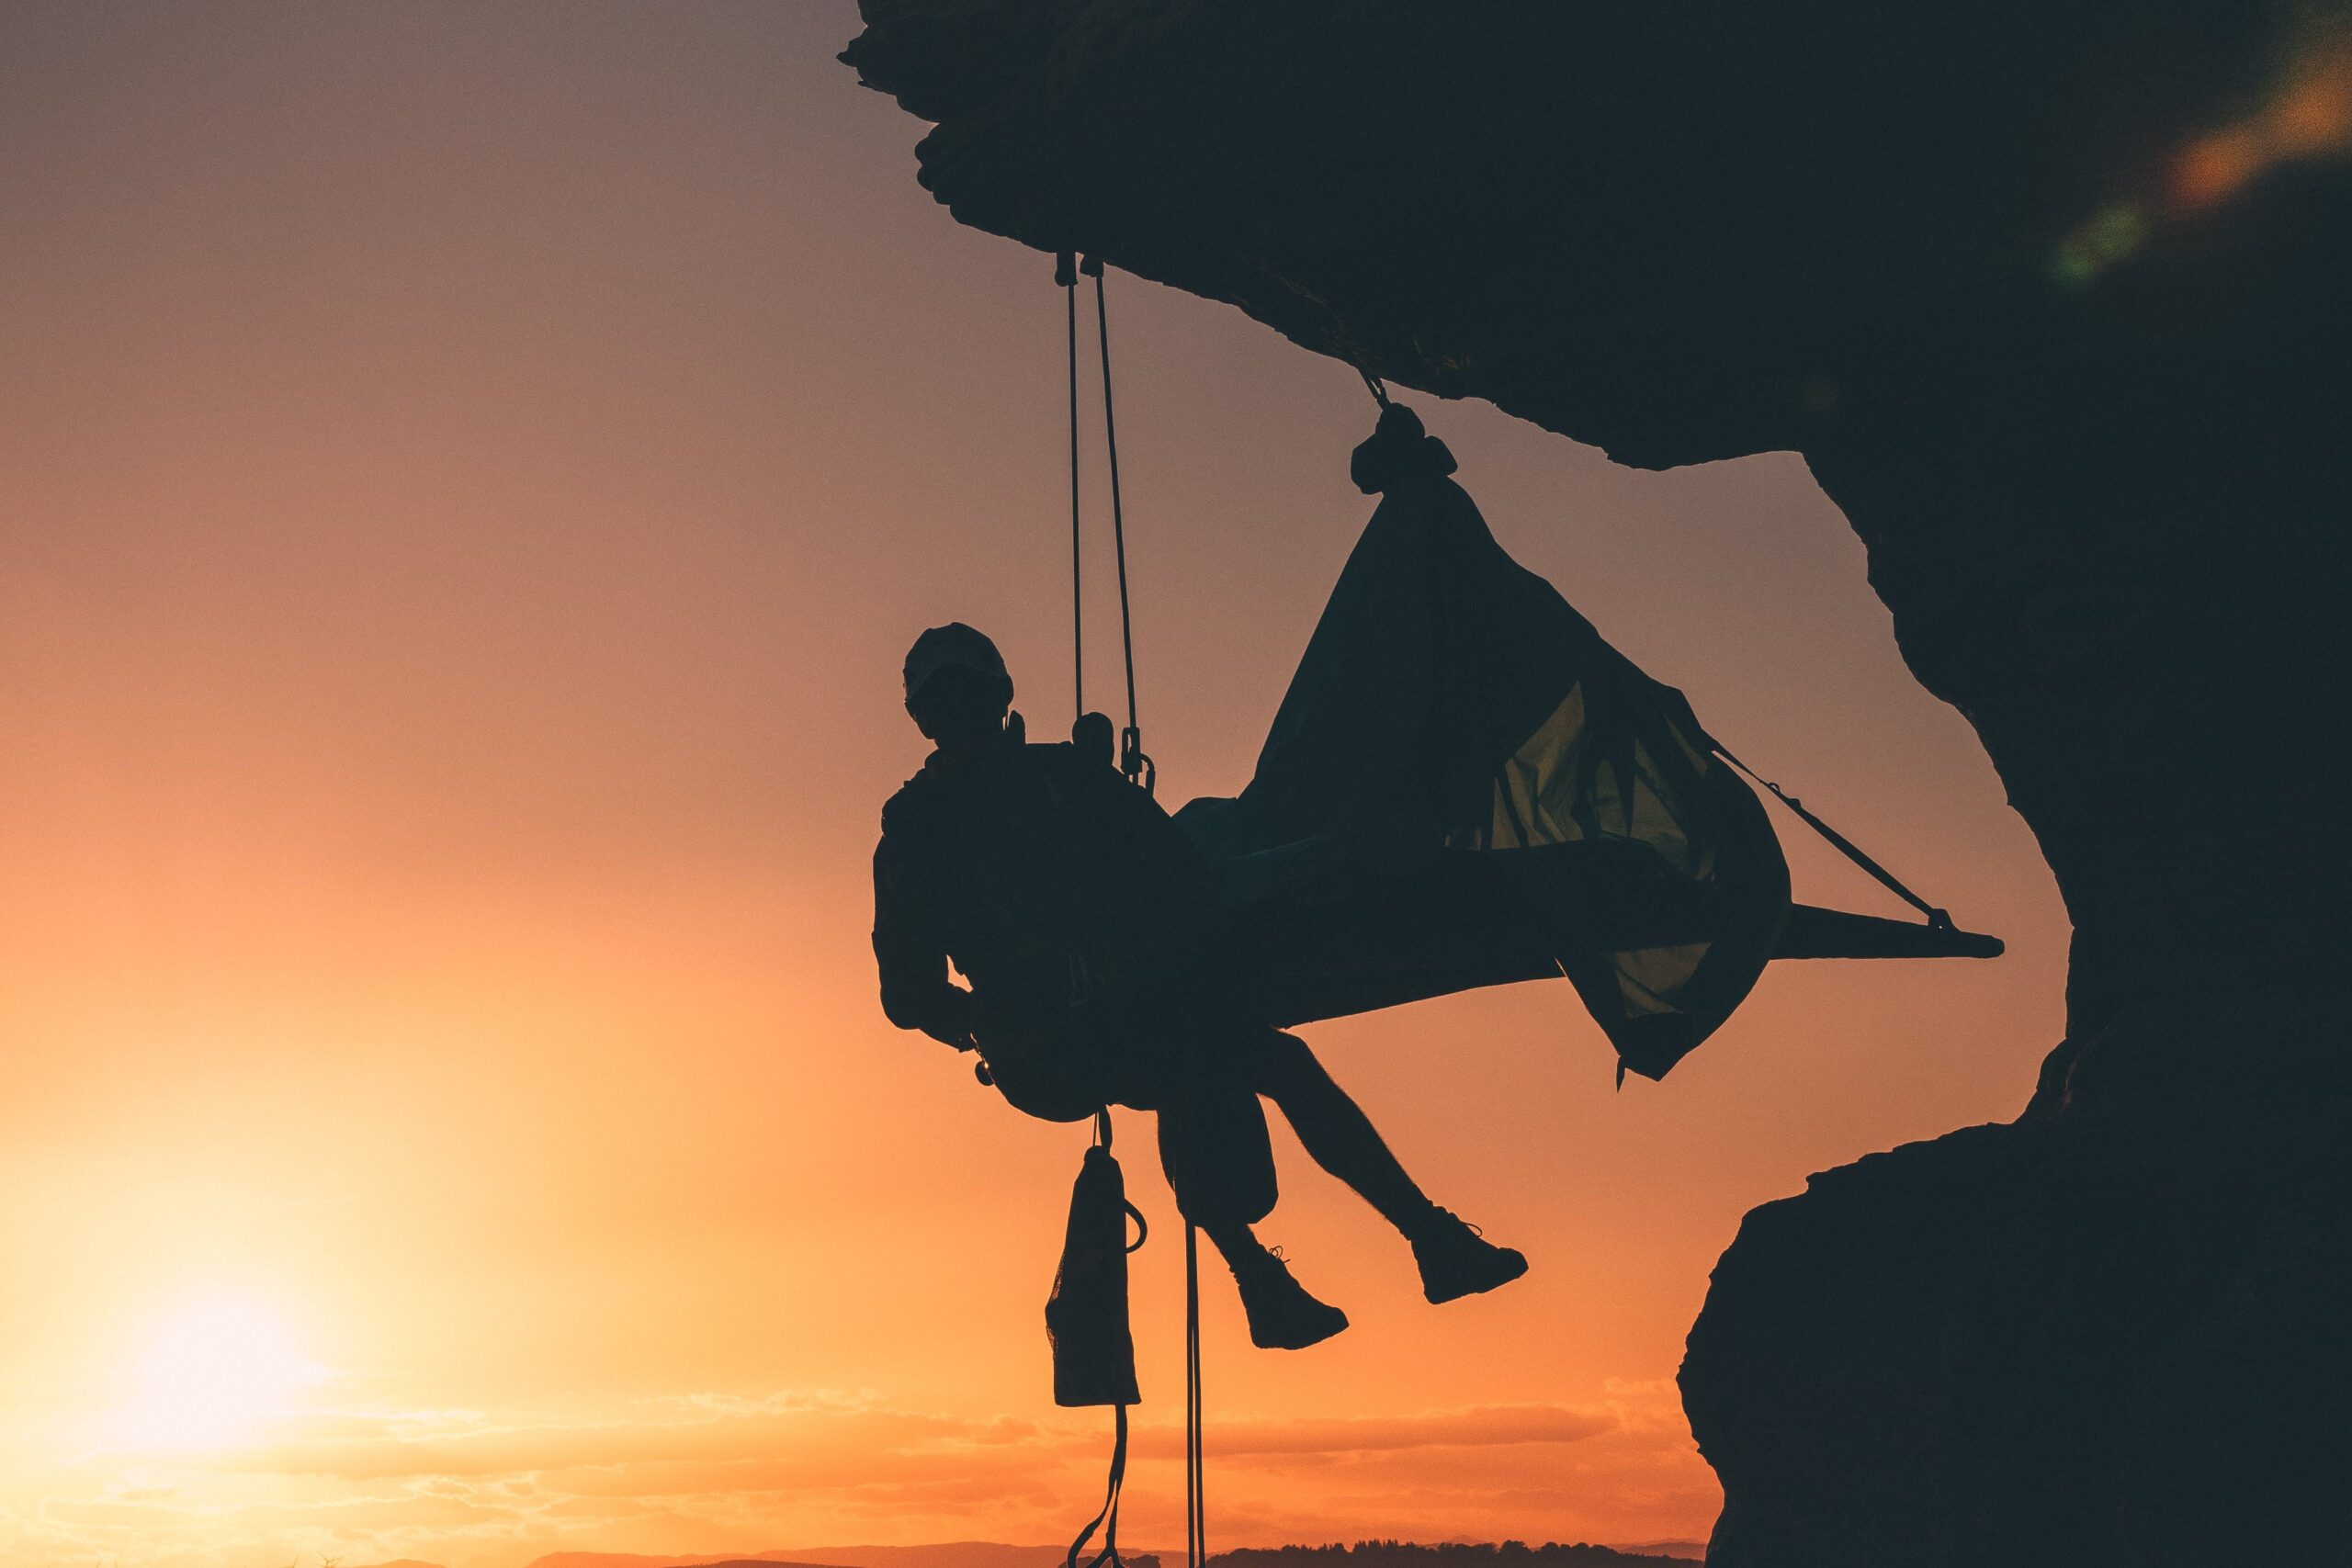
{"type": "Point", "coordinates": [1087, 924]}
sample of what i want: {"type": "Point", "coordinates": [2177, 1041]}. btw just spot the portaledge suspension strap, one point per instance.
{"type": "Point", "coordinates": [1937, 918]}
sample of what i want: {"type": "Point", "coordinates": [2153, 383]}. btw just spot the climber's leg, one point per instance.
{"type": "Point", "coordinates": [1282, 1315]}
{"type": "Point", "coordinates": [1215, 1151]}
{"type": "Point", "coordinates": [1335, 1131]}
{"type": "Point", "coordinates": [1454, 1260]}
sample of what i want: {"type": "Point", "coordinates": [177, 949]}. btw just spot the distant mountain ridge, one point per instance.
{"type": "Point", "coordinates": [948, 1554]}
{"type": "Point", "coordinates": [1451, 1554]}
{"type": "Point", "coordinates": [996, 1554]}
{"type": "Point", "coordinates": [970, 1554]}
{"type": "Point", "coordinates": [683, 1560]}
{"type": "Point", "coordinates": [656, 1560]}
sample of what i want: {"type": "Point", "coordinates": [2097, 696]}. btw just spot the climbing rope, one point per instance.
{"type": "Point", "coordinates": [1107, 1520]}
{"type": "Point", "coordinates": [1142, 772]}
{"type": "Point", "coordinates": [1066, 273]}
{"type": "Point", "coordinates": [1133, 761]}
{"type": "Point", "coordinates": [1197, 1528]}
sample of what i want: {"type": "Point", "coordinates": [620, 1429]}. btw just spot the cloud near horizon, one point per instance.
{"type": "Point", "coordinates": [718, 1472]}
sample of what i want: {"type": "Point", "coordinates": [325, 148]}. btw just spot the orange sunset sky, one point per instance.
{"type": "Point", "coordinates": [467, 474]}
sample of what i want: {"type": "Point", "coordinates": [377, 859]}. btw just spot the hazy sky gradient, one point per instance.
{"type": "Point", "coordinates": [468, 473]}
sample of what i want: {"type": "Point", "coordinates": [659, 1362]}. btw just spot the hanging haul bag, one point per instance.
{"type": "Point", "coordinates": [1086, 1316]}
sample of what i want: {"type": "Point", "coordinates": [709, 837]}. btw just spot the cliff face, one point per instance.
{"type": "Point", "coordinates": [2051, 298]}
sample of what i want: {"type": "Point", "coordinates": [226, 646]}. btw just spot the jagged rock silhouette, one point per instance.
{"type": "Point", "coordinates": [2051, 299]}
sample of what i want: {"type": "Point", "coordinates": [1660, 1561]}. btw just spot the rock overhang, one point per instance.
{"type": "Point", "coordinates": [1677, 231]}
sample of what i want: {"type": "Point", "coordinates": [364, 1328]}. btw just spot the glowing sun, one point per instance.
{"type": "Point", "coordinates": [211, 1373]}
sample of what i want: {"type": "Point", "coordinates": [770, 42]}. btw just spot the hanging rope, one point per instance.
{"type": "Point", "coordinates": [1140, 771]}
{"type": "Point", "coordinates": [1132, 760]}
{"type": "Point", "coordinates": [1197, 1528]}
{"type": "Point", "coordinates": [1107, 1520]}
{"type": "Point", "coordinates": [1066, 275]}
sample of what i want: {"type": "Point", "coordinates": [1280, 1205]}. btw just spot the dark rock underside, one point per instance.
{"type": "Point", "coordinates": [2051, 297]}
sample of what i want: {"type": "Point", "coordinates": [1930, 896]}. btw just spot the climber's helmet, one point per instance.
{"type": "Point", "coordinates": [956, 684]}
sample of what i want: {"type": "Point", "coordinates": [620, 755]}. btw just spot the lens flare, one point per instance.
{"type": "Point", "coordinates": [2308, 115]}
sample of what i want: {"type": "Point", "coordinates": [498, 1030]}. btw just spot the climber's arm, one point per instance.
{"type": "Point", "coordinates": [916, 991]}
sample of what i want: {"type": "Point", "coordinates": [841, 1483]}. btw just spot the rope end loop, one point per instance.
{"type": "Point", "coordinates": [1066, 269]}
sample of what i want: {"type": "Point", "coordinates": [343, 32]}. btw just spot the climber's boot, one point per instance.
{"type": "Point", "coordinates": [1282, 1316]}
{"type": "Point", "coordinates": [1456, 1262]}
